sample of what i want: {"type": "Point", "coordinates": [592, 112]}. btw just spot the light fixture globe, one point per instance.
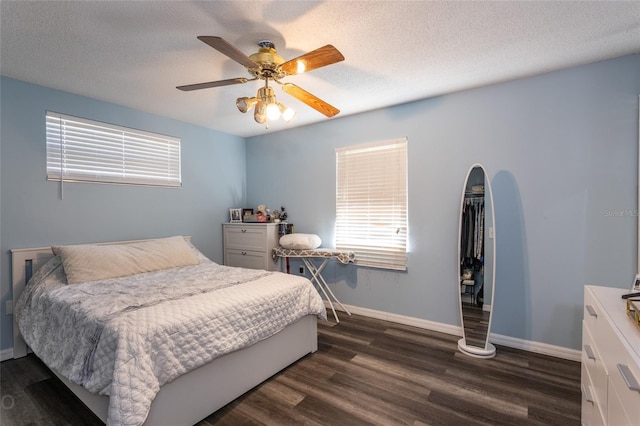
{"type": "Point", "coordinates": [273, 112]}
{"type": "Point", "coordinates": [287, 113]}
{"type": "Point", "coordinates": [260, 113]}
{"type": "Point", "coordinates": [245, 104]}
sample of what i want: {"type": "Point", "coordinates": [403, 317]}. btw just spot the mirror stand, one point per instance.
{"type": "Point", "coordinates": [476, 264]}
{"type": "Point", "coordinates": [475, 351]}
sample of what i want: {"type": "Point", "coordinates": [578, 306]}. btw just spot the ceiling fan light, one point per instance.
{"type": "Point", "coordinates": [260, 113]}
{"type": "Point", "coordinates": [245, 104]}
{"type": "Point", "coordinates": [273, 111]}
{"type": "Point", "coordinates": [287, 113]}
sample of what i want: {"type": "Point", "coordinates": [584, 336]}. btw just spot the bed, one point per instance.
{"type": "Point", "coordinates": [164, 371]}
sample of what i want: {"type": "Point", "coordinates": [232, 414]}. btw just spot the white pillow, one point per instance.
{"type": "Point", "coordinates": [300, 241]}
{"type": "Point", "coordinates": [92, 262]}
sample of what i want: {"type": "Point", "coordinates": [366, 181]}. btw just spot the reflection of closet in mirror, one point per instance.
{"type": "Point", "coordinates": [476, 258]}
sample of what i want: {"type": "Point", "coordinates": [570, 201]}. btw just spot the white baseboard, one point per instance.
{"type": "Point", "coordinates": [6, 354]}
{"type": "Point", "coordinates": [512, 342]}
{"type": "Point", "coordinates": [537, 347]}
{"type": "Point", "coordinates": [401, 319]}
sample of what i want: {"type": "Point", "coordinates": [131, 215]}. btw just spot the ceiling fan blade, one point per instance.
{"type": "Point", "coordinates": [218, 83]}
{"type": "Point", "coordinates": [309, 99]}
{"type": "Point", "coordinates": [321, 57]}
{"type": "Point", "coordinates": [226, 48]}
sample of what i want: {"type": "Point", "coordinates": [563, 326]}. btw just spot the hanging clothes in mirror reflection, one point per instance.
{"type": "Point", "coordinates": [472, 245]}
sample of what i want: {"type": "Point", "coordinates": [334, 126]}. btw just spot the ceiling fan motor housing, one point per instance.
{"type": "Point", "coordinates": [269, 60]}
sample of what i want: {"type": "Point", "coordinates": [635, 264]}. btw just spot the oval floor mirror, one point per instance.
{"type": "Point", "coordinates": [477, 263]}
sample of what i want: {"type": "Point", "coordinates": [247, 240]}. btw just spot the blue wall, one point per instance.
{"type": "Point", "coordinates": [33, 215]}
{"type": "Point", "coordinates": [561, 151]}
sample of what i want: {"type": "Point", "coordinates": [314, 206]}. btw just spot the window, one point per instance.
{"type": "Point", "coordinates": [371, 203]}
{"type": "Point", "coordinates": [90, 151]}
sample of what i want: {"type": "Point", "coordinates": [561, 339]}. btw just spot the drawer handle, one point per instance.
{"type": "Point", "coordinates": [243, 230]}
{"type": "Point", "coordinates": [627, 375]}
{"type": "Point", "coordinates": [592, 311]}
{"type": "Point", "coordinates": [244, 253]}
{"type": "Point", "coordinates": [586, 391]}
{"type": "Point", "coordinates": [589, 351]}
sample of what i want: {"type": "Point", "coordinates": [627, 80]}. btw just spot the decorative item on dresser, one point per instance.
{"type": "Point", "coordinates": [610, 360]}
{"type": "Point", "coordinates": [235, 215]}
{"type": "Point", "coordinates": [247, 214]}
{"type": "Point", "coordinates": [249, 245]}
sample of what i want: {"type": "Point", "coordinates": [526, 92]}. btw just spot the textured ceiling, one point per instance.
{"type": "Point", "coordinates": [135, 53]}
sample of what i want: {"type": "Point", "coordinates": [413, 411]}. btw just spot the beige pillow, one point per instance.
{"type": "Point", "coordinates": [92, 262]}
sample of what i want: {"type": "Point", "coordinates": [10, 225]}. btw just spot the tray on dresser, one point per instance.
{"type": "Point", "coordinates": [633, 310]}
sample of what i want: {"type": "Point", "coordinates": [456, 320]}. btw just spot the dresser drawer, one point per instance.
{"type": "Point", "coordinates": [246, 259]}
{"type": "Point", "coordinates": [593, 316]}
{"type": "Point", "coordinates": [618, 415]}
{"type": "Point", "coordinates": [593, 363]}
{"type": "Point", "coordinates": [245, 238]}
{"type": "Point", "coordinates": [591, 408]}
{"type": "Point", "coordinates": [624, 379]}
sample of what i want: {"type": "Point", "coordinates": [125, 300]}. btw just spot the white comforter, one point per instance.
{"type": "Point", "coordinates": [126, 337]}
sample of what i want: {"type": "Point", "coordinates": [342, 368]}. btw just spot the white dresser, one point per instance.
{"type": "Point", "coordinates": [610, 360]}
{"type": "Point", "coordinates": [249, 245]}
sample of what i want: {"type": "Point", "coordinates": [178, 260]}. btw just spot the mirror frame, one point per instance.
{"type": "Point", "coordinates": [489, 350]}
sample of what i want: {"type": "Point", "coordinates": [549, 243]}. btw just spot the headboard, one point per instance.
{"type": "Point", "coordinates": [24, 263]}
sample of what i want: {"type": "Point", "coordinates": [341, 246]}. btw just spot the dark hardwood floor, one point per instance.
{"type": "Point", "coordinates": [366, 372]}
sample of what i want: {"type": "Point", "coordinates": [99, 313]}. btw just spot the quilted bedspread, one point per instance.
{"type": "Point", "coordinates": [128, 336]}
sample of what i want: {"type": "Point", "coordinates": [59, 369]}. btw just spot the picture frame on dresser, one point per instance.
{"type": "Point", "coordinates": [247, 213]}
{"type": "Point", "coordinates": [235, 215]}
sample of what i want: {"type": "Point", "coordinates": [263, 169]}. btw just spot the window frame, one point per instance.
{"type": "Point", "coordinates": [376, 229]}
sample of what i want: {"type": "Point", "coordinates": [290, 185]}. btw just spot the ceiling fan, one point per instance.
{"type": "Point", "coordinates": [267, 65]}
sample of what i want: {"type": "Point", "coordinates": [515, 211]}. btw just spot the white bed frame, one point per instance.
{"type": "Point", "coordinates": [199, 393]}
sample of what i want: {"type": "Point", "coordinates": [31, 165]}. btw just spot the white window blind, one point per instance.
{"type": "Point", "coordinates": [371, 203]}
{"type": "Point", "coordinates": [90, 151]}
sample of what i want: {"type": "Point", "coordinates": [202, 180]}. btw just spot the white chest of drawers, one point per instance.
{"type": "Point", "coordinates": [610, 360]}
{"type": "Point", "coordinates": [249, 245]}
